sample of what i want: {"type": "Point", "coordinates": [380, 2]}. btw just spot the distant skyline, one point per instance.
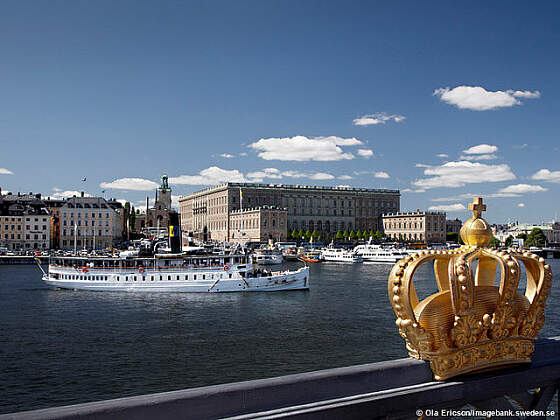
{"type": "Point", "coordinates": [443, 101]}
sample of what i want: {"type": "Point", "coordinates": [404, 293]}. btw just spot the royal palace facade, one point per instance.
{"type": "Point", "coordinates": [216, 213]}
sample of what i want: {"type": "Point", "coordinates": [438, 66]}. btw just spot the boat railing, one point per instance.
{"type": "Point", "coordinates": [116, 269]}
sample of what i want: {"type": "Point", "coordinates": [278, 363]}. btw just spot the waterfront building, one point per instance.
{"type": "Point", "coordinates": [427, 226]}
{"type": "Point", "coordinates": [209, 213]}
{"type": "Point", "coordinates": [24, 222]}
{"type": "Point", "coordinates": [259, 224]}
{"type": "Point", "coordinates": [90, 222]}
{"type": "Point", "coordinates": [453, 226]}
{"type": "Point", "coordinates": [550, 230]}
{"type": "Point", "coordinates": [154, 220]}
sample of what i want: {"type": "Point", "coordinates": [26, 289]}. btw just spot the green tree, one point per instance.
{"type": "Point", "coordinates": [522, 236]}
{"type": "Point", "coordinates": [353, 234]}
{"type": "Point", "coordinates": [307, 234]}
{"type": "Point", "coordinates": [346, 234]}
{"type": "Point", "coordinates": [339, 235]}
{"type": "Point", "coordinates": [494, 242]}
{"type": "Point", "coordinates": [378, 235]}
{"type": "Point", "coordinates": [289, 235]}
{"type": "Point", "coordinates": [326, 237]}
{"type": "Point", "coordinates": [301, 234]}
{"type": "Point", "coordinates": [132, 218]}
{"type": "Point", "coordinates": [295, 234]}
{"type": "Point", "coordinates": [535, 238]}
{"type": "Point", "coordinates": [452, 236]}
{"type": "Point", "coordinates": [509, 241]}
{"type": "Point", "coordinates": [315, 234]}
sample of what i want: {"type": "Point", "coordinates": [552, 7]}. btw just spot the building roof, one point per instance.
{"type": "Point", "coordinates": [316, 188]}
{"type": "Point", "coordinates": [22, 204]}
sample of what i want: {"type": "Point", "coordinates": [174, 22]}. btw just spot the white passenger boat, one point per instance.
{"type": "Point", "coordinates": [268, 256]}
{"type": "Point", "coordinates": [378, 254]}
{"type": "Point", "coordinates": [331, 253]}
{"type": "Point", "coordinates": [170, 273]}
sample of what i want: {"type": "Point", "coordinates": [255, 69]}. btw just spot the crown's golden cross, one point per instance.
{"type": "Point", "coordinates": [477, 207]}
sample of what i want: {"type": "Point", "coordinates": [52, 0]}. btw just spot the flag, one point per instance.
{"type": "Point", "coordinates": [84, 180]}
{"type": "Point", "coordinates": [240, 194]}
{"type": "Point", "coordinates": [37, 259]}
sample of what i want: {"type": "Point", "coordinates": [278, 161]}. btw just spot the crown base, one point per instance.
{"type": "Point", "coordinates": [487, 355]}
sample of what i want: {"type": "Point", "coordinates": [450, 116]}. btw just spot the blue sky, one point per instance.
{"type": "Point", "coordinates": [365, 94]}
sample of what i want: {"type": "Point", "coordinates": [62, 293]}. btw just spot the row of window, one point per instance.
{"type": "Point", "coordinates": [100, 223]}
{"type": "Point", "coordinates": [85, 231]}
{"type": "Point", "coordinates": [79, 215]}
{"type": "Point", "coordinates": [27, 236]}
{"type": "Point", "coordinates": [169, 277]}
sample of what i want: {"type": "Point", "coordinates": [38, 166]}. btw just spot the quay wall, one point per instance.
{"type": "Point", "coordinates": [8, 259]}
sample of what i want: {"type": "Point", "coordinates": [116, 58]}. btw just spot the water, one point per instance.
{"type": "Point", "coordinates": [67, 347]}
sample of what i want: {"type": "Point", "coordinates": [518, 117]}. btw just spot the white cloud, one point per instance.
{"type": "Point", "coordinates": [458, 174]}
{"type": "Point", "coordinates": [477, 98]}
{"type": "Point", "coordinates": [316, 175]}
{"type": "Point", "coordinates": [133, 184]}
{"type": "Point", "coordinates": [258, 176]}
{"type": "Point", "coordinates": [378, 118]}
{"type": "Point", "coordinates": [448, 207]}
{"type": "Point", "coordinates": [442, 155]}
{"type": "Point", "coordinates": [210, 176]}
{"type": "Point", "coordinates": [465, 196]}
{"type": "Point", "coordinates": [381, 175]}
{"type": "Point", "coordinates": [60, 194]}
{"type": "Point", "coordinates": [521, 205]}
{"type": "Point", "coordinates": [175, 201]}
{"type": "Point", "coordinates": [4, 171]}
{"type": "Point", "coordinates": [518, 189]}
{"type": "Point", "coordinates": [408, 190]}
{"type": "Point", "coordinates": [301, 148]}
{"type": "Point", "coordinates": [227, 155]}
{"type": "Point", "coordinates": [345, 177]}
{"type": "Point", "coordinates": [547, 175]}
{"type": "Point", "coordinates": [481, 149]}
{"type": "Point", "coordinates": [243, 154]}
{"type": "Point", "coordinates": [478, 157]}
{"type": "Point", "coordinates": [422, 165]}
{"type": "Point", "coordinates": [367, 153]}
{"type": "Point", "coordinates": [520, 146]}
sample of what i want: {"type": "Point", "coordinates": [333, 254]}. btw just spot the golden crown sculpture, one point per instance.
{"type": "Point", "coordinates": [471, 324]}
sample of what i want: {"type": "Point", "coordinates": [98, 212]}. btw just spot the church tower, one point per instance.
{"type": "Point", "coordinates": [163, 195]}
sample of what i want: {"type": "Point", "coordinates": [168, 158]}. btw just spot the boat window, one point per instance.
{"type": "Point", "coordinates": [230, 275]}
{"type": "Point", "coordinates": [160, 278]}
{"type": "Point", "coordinates": [194, 277]}
{"type": "Point", "coordinates": [178, 278]}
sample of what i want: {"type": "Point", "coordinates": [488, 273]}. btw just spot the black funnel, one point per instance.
{"type": "Point", "coordinates": [174, 233]}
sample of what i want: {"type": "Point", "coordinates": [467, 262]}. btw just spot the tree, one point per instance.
{"type": "Point", "coordinates": [346, 234]}
{"type": "Point", "coordinates": [378, 235]}
{"type": "Point", "coordinates": [353, 235]}
{"type": "Point", "coordinates": [132, 218]}
{"type": "Point", "coordinates": [535, 238]}
{"type": "Point", "coordinates": [289, 235]}
{"type": "Point", "coordinates": [315, 234]}
{"type": "Point", "coordinates": [339, 235]}
{"type": "Point", "coordinates": [295, 234]}
{"type": "Point", "coordinates": [307, 234]}
{"type": "Point", "coordinates": [301, 234]}
{"type": "Point", "coordinates": [452, 236]}
{"type": "Point", "coordinates": [509, 241]}
{"type": "Point", "coordinates": [522, 236]}
{"type": "Point", "coordinates": [494, 242]}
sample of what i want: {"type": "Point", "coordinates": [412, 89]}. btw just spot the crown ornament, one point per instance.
{"type": "Point", "coordinates": [478, 319]}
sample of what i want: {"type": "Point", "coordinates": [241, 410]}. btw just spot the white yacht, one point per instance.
{"type": "Point", "coordinates": [268, 256]}
{"type": "Point", "coordinates": [170, 273]}
{"type": "Point", "coordinates": [378, 254]}
{"type": "Point", "coordinates": [331, 253]}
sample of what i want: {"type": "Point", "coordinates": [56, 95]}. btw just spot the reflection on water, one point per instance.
{"type": "Point", "coordinates": [64, 347]}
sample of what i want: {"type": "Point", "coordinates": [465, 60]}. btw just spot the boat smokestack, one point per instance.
{"type": "Point", "coordinates": [174, 233]}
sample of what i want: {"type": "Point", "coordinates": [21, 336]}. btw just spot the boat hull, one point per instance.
{"type": "Point", "coordinates": [279, 281]}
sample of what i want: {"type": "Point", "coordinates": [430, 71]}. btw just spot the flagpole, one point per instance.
{"type": "Point", "coordinates": [241, 211]}
{"type": "Point", "coordinates": [75, 238]}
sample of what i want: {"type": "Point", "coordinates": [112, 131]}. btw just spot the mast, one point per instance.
{"type": "Point", "coordinates": [75, 238]}
{"type": "Point", "coordinates": [241, 210]}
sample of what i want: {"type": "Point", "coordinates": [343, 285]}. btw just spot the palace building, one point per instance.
{"type": "Point", "coordinates": [425, 226]}
{"type": "Point", "coordinates": [214, 213]}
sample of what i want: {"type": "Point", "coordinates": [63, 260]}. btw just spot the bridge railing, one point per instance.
{"type": "Point", "coordinates": [393, 389]}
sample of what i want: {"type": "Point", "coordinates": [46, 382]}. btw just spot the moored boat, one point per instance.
{"type": "Point", "coordinates": [333, 254]}
{"type": "Point", "coordinates": [313, 256]}
{"type": "Point", "coordinates": [378, 254]}
{"type": "Point", "coordinates": [268, 256]}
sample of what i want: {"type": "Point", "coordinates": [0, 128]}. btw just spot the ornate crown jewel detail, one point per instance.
{"type": "Point", "coordinates": [478, 319]}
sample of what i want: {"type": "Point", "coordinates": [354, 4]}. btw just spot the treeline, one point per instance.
{"type": "Point", "coordinates": [300, 235]}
